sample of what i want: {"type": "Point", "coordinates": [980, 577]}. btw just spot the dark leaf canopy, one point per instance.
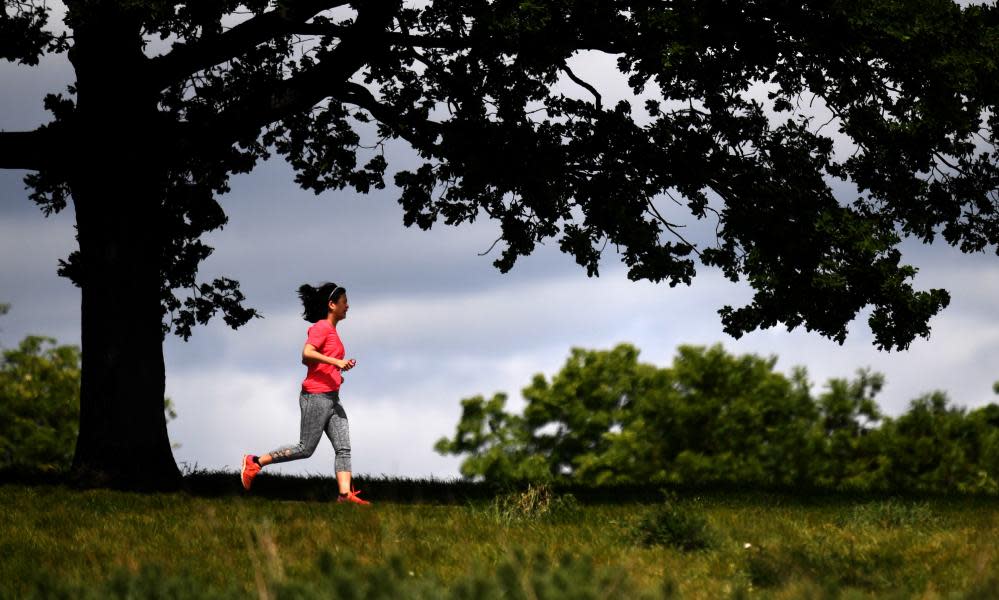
{"type": "Point", "coordinates": [23, 36]}
{"type": "Point", "coordinates": [791, 145]}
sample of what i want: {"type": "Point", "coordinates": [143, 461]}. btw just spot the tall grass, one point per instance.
{"type": "Point", "coordinates": [452, 539]}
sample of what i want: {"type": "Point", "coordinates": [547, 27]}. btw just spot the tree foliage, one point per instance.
{"type": "Point", "coordinates": [716, 418]}
{"type": "Point", "coordinates": [40, 404]}
{"type": "Point", "coordinates": [729, 137]}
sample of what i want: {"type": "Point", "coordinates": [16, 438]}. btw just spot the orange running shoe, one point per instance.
{"type": "Point", "coordinates": [352, 497]}
{"type": "Point", "coordinates": [250, 470]}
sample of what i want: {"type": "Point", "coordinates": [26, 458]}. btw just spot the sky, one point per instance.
{"type": "Point", "coordinates": [431, 320]}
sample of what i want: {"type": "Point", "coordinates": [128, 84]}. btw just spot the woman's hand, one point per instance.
{"type": "Point", "coordinates": [343, 365]}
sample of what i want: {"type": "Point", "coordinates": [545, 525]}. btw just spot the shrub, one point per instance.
{"type": "Point", "coordinates": [679, 526]}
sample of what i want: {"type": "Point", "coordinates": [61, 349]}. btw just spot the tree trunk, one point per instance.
{"type": "Point", "coordinates": [118, 184]}
{"type": "Point", "coordinates": [123, 438]}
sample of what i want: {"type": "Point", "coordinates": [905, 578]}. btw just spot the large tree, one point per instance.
{"type": "Point", "coordinates": [145, 140]}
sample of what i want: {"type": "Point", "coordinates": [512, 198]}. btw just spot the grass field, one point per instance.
{"type": "Point", "coordinates": [451, 539]}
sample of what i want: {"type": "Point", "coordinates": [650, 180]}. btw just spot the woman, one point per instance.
{"type": "Point", "coordinates": [323, 353]}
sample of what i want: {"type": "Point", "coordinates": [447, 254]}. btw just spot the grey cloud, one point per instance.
{"type": "Point", "coordinates": [409, 377]}
{"type": "Point", "coordinates": [24, 89]}
{"type": "Point", "coordinates": [30, 248]}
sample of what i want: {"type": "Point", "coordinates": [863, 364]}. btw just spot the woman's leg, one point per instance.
{"type": "Point", "coordinates": [338, 431]}
{"type": "Point", "coordinates": [315, 413]}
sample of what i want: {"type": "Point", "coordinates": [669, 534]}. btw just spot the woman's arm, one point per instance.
{"type": "Point", "coordinates": [311, 355]}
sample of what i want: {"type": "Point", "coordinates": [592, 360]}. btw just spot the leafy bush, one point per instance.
{"type": "Point", "coordinates": [681, 526]}
{"type": "Point", "coordinates": [39, 405]}
{"type": "Point", "coordinates": [714, 418]}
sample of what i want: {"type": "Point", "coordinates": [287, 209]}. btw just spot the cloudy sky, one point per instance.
{"type": "Point", "coordinates": [431, 320]}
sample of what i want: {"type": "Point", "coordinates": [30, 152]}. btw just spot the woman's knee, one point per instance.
{"type": "Point", "coordinates": [292, 453]}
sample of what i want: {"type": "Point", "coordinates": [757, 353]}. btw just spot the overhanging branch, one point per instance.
{"type": "Point", "coordinates": [29, 150]}
{"type": "Point", "coordinates": [422, 134]}
{"type": "Point", "coordinates": [580, 82]}
{"type": "Point", "coordinates": [302, 91]}
{"type": "Point", "coordinates": [445, 42]}
{"type": "Point", "coordinates": [292, 18]}
{"type": "Point", "coordinates": [187, 59]}
{"type": "Point", "coordinates": [396, 38]}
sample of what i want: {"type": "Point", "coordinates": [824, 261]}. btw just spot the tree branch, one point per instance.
{"type": "Point", "coordinates": [29, 150]}
{"type": "Point", "coordinates": [671, 227]}
{"type": "Point", "coordinates": [396, 38]}
{"type": "Point", "coordinates": [580, 82]}
{"type": "Point", "coordinates": [304, 90]}
{"type": "Point", "coordinates": [187, 59]}
{"type": "Point", "coordinates": [393, 37]}
{"type": "Point", "coordinates": [422, 134]}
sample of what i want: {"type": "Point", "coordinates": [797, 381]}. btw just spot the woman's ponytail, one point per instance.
{"type": "Point", "coordinates": [315, 300]}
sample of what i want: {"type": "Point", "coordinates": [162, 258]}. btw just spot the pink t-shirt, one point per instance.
{"type": "Point", "coordinates": [322, 377]}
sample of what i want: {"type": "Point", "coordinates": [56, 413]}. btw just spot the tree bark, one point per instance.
{"type": "Point", "coordinates": [123, 439]}
{"type": "Point", "coordinates": [118, 181]}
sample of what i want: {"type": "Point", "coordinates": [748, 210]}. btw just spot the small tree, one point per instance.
{"type": "Point", "coordinates": [497, 442]}
{"type": "Point", "coordinates": [935, 445]}
{"type": "Point", "coordinates": [845, 445]}
{"type": "Point", "coordinates": [39, 404]}
{"type": "Point", "coordinates": [605, 417]}
{"type": "Point", "coordinates": [726, 418]}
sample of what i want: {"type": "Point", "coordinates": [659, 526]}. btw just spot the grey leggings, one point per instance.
{"type": "Point", "coordinates": [320, 412]}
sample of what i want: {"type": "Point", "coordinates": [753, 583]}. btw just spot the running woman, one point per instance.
{"type": "Point", "coordinates": [319, 400]}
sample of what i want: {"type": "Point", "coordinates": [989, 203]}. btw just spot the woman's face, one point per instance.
{"type": "Point", "coordinates": [339, 308]}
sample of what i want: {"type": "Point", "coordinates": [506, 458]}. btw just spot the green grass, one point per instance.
{"type": "Point", "coordinates": [436, 538]}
